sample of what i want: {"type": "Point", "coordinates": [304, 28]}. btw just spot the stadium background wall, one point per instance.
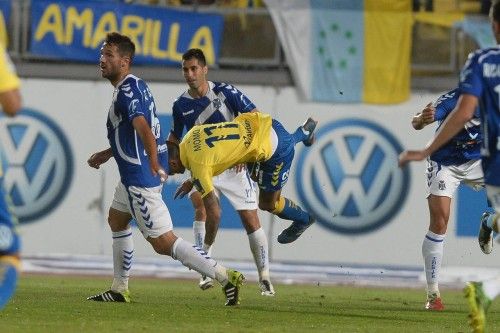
{"type": "Point", "coordinates": [351, 171]}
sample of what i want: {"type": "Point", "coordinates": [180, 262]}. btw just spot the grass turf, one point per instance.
{"type": "Point", "coordinates": [58, 304]}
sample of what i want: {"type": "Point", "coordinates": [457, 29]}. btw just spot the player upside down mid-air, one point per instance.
{"type": "Point", "coordinates": [252, 138]}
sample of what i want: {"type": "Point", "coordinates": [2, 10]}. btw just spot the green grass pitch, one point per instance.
{"type": "Point", "coordinates": [58, 304]}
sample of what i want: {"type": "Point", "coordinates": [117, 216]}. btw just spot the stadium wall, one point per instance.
{"type": "Point", "coordinates": [351, 172]}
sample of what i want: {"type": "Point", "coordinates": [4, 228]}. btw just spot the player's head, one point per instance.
{"type": "Point", "coordinates": [117, 53]}
{"type": "Point", "coordinates": [194, 68]}
{"type": "Point", "coordinates": [495, 18]}
{"type": "Point", "coordinates": [174, 159]}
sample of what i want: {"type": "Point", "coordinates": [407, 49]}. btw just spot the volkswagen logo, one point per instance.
{"type": "Point", "coordinates": [351, 172]}
{"type": "Point", "coordinates": [39, 163]}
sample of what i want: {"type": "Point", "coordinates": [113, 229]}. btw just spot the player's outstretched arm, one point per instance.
{"type": "Point", "coordinates": [99, 158]}
{"type": "Point", "coordinates": [462, 113]}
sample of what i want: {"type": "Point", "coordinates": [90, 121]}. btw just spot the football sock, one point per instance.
{"type": "Point", "coordinates": [199, 233]}
{"type": "Point", "coordinates": [9, 274]}
{"type": "Point", "coordinates": [260, 251]}
{"type": "Point", "coordinates": [491, 287]}
{"type": "Point", "coordinates": [432, 253]}
{"type": "Point", "coordinates": [300, 135]}
{"type": "Point", "coordinates": [197, 259]}
{"type": "Point", "coordinates": [123, 252]}
{"type": "Point", "coordinates": [289, 210]}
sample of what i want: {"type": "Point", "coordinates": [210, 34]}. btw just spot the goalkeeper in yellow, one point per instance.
{"type": "Point", "coordinates": [252, 138]}
{"type": "Point", "coordinates": [10, 101]}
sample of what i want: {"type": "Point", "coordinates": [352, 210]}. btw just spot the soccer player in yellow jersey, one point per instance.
{"type": "Point", "coordinates": [10, 100]}
{"type": "Point", "coordinates": [252, 138]}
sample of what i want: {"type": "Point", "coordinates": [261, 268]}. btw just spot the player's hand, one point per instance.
{"type": "Point", "coordinates": [183, 189]}
{"type": "Point", "coordinates": [428, 114]}
{"type": "Point", "coordinates": [411, 155]}
{"type": "Point", "coordinates": [157, 170]}
{"type": "Point", "coordinates": [98, 158]}
{"type": "Point", "coordinates": [239, 167]}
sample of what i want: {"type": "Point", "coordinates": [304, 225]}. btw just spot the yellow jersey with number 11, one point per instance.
{"type": "Point", "coordinates": [208, 150]}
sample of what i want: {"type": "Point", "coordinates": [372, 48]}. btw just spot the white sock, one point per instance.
{"type": "Point", "coordinates": [199, 233]}
{"type": "Point", "coordinates": [123, 251]}
{"type": "Point", "coordinates": [197, 259]}
{"type": "Point", "coordinates": [491, 288]}
{"type": "Point", "coordinates": [432, 252]}
{"type": "Point", "coordinates": [260, 251]}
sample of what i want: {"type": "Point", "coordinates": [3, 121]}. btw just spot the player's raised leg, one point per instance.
{"type": "Point", "coordinates": [198, 260]}
{"type": "Point", "coordinates": [487, 225]}
{"type": "Point", "coordinates": [153, 219]}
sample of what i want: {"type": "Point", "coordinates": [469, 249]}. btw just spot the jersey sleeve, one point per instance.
{"type": "Point", "coordinates": [202, 178]}
{"type": "Point", "coordinates": [445, 104]}
{"type": "Point", "coordinates": [470, 76]}
{"type": "Point", "coordinates": [177, 123]}
{"type": "Point", "coordinates": [236, 100]}
{"type": "Point", "coordinates": [8, 77]}
{"type": "Point", "coordinates": [131, 102]}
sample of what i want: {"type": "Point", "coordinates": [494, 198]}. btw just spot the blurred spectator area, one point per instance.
{"type": "Point", "coordinates": [250, 51]}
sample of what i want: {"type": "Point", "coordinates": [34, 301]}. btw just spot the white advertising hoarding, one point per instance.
{"type": "Point", "coordinates": [369, 211]}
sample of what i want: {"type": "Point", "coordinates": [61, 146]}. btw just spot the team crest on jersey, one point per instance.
{"type": "Point", "coordinates": [217, 103]}
{"type": "Point", "coordinates": [442, 185]}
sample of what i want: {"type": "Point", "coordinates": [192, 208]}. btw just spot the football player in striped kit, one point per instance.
{"type": "Point", "coordinates": [479, 86]}
{"type": "Point", "coordinates": [459, 161]}
{"type": "Point", "coordinates": [134, 134]}
{"type": "Point", "coordinates": [207, 102]}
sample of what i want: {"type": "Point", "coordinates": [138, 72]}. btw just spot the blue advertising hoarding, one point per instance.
{"type": "Point", "coordinates": [74, 30]}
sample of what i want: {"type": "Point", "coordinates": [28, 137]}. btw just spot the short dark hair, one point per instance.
{"type": "Point", "coordinates": [197, 54]}
{"type": "Point", "coordinates": [124, 44]}
{"type": "Point", "coordinates": [495, 11]}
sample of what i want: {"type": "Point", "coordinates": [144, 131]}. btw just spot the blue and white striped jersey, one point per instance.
{"type": "Point", "coordinates": [132, 98]}
{"type": "Point", "coordinates": [222, 102]}
{"type": "Point", "coordinates": [481, 77]}
{"type": "Point", "coordinates": [464, 146]}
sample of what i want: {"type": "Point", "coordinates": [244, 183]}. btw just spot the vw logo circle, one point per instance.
{"type": "Point", "coordinates": [352, 172]}
{"type": "Point", "coordinates": [39, 163]}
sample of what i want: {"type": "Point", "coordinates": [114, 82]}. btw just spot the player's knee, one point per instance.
{"type": "Point", "coordinates": [163, 244]}
{"type": "Point", "coordinates": [267, 206]}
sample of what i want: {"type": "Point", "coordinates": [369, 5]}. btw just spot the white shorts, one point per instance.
{"type": "Point", "coordinates": [493, 193]}
{"type": "Point", "coordinates": [146, 206]}
{"type": "Point", "coordinates": [443, 180]}
{"type": "Point", "coordinates": [237, 187]}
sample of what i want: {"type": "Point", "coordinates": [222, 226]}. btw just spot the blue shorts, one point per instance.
{"type": "Point", "coordinates": [273, 174]}
{"type": "Point", "coordinates": [9, 239]}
